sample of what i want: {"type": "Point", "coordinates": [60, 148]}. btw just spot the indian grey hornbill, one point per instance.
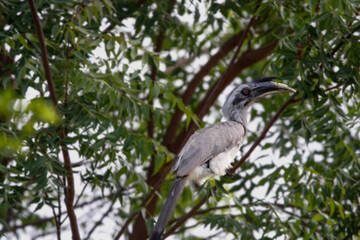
{"type": "Point", "coordinates": [210, 151]}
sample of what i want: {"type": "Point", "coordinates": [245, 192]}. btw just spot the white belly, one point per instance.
{"type": "Point", "coordinates": [222, 161]}
{"type": "Point", "coordinates": [217, 165]}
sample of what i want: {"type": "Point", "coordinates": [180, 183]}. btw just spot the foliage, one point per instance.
{"type": "Point", "coordinates": [133, 80]}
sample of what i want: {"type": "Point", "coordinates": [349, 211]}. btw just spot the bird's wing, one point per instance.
{"type": "Point", "coordinates": [206, 143]}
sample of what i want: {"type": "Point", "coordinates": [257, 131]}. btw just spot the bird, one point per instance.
{"type": "Point", "coordinates": [210, 151]}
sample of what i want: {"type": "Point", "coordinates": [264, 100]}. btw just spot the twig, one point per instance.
{"type": "Point", "coordinates": [98, 223]}
{"type": "Point", "coordinates": [57, 220]}
{"type": "Point", "coordinates": [183, 61]}
{"type": "Point", "coordinates": [58, 217]}
{"type": "Point", "coordinates": [43, 51]}
{"type": "Point", "coordinates": [334, 87]}
{"type": "Point", "coordinates": [215, 235]}
{"type": "Point", "coordinates": [346, 37]}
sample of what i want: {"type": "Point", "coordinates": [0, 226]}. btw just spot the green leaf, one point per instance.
{"type": "Point", "coordinates": [220, 187]}
{"type": "Point", "coordinates": [159, 161]}
{"type": "Point", "coordinates": [154, 91]}
{"type": "Point", "coordinates": [341, 211]}
{"type": "Point", "coordinates": [155, 61]}
{"type": "Point", "coordinates": [317, 217]}
{"type": "Point", "coordinates": [319, 113]}
{"type": "Point", "coordinates": [44, 111]}
{"type": "Point", "coordinates": [23, 42]}
{"type": "Point", "coordinates": [331, 203]}
{"type": "Point", "coordinates": [129, 141]}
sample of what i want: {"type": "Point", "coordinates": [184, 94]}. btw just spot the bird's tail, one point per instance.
{"type": "Point", "coordinates": [168, 208]}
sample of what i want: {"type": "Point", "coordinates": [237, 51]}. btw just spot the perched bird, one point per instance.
{"type": "Point", "coordinates": [210, 151]}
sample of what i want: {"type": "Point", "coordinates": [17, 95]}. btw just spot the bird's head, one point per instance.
{"type": "Point", "coordinates": [242, 97]}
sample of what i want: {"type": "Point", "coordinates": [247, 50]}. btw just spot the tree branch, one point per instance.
{"type": "Point", "coordinates": [195, 82]}
{"type": "Point", "coordinates": [99, 222]}
{"type": "Point", "coordinates": [43, 51]}
{"type": "Point", "coordinates": [235, 67]}
{"type": "Point", "coordinates": [70, 190]}
{"type": "Point", "coordinates": [182, 62]}
{"type": "Point", "coordinates": [236, 41]}
{"type": "Point", "coordinates": [249, 58]}
{"type": "Point", "coordinates": [139, 227]}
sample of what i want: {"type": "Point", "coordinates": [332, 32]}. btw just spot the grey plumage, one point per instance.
{"type": "Point", "coordinates": [210, 151]}
{"type": "Point", "coordinates": [219, 138]}
{"type": "Point", "coordinates": [169, 205]}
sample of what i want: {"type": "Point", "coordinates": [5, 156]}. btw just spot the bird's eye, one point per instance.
{"type": "Point", "coordinates": [245, 91]}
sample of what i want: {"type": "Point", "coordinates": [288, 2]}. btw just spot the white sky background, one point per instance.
{"type": "Point", "coordinates": [104, 231]}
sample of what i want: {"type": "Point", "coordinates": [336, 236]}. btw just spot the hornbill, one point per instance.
{"type": "Point", "coordinates": [210, 151]}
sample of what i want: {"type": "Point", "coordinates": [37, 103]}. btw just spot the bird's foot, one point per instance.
{"type": "Point", "coordinates": [229, 172]}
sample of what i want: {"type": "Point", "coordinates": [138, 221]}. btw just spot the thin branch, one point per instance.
{"type": "Point", "coordinates": [58, 217]}
{"type": "Point", "coordinates": [126, 224]}
{"type": "Point", "coordinates": [185, 228]}
{"type": "Point", "coordinates": [347, 36]}
{"type": "Point", "coordinates": [158, 47]}
{"type": "Point", "coordinates": [215, 235]}
{"type": "Point", "coordinates": [334, 87]}
{"type": "Point", "coordinates": [183, 61]}
{"type": "Point", "coordinates": [57, 220]}
{"type": "Point", "coordinates": [70, 190]}
{"type": "Point", "coordinates": [43, 50]}
{"type": "Point", "coordinates": [99, 222]}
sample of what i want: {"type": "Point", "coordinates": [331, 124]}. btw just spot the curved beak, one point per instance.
{"type": "Point", "coordinates": [262, 89]}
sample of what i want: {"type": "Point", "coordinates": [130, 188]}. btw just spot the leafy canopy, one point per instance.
{"type": "Point", "coordinates": [134, 79]}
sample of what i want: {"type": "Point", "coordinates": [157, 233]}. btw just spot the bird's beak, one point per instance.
{"type": "Point", "coordinates": [265, 88]}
